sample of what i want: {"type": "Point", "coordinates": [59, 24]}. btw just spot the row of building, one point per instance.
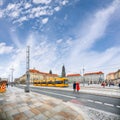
{"type": "Point", "coordinates": [89, 78]}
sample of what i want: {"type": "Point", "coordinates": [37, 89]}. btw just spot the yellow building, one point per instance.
{"type": "Point", "coordinates": [114, 77]}
{"type": "Point", "coordinates": [117, 77]}
{"type": "Point", "coordinates": [36, 75]}
{"type": "Point", "coordinates": [110, 76]}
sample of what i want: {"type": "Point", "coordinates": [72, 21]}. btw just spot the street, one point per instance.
{"type": "Point", "coordinates": [104, 103]}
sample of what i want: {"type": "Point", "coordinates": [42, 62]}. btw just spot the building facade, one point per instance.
{"type": "Point", "coordinates": [74, 77]}
{"type": "Point", "coordinates": [35, 75]}
{"type": "Point", "coordinates": [113, 77]}
{"type": "Point", "coordinates": [110, 76]}
{"type": "Point", "coordinates": [117, 77]}
{"type": "Point", "coordinates": [93, 77]}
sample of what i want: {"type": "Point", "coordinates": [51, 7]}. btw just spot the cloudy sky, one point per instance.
{"type": "Point", "coordinates": [74, 33]}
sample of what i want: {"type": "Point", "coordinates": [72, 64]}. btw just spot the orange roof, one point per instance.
{"type": "Point", "coordinates": [33, 71]}
{"type": "Point", "coordinates": [92, 73]}
{"type": "Point", "coordinates": [72, 75]}
{"type": "Point", "coordinates": [111, 73]}
{"type": "Point", "coordinates": [36, 71]}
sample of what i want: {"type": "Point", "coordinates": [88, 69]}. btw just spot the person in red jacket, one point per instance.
{"type": "Point", "coordinates": [77, 87]}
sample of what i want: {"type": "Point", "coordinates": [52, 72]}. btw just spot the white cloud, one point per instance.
{"type": "Point", "coordinates": [45, 55]}
{"type": "Point", "coordinates": [90, 33]}
{"type": "Point", "coordinates": [11, 6]}
{"type": "Point", "coordinates": [94, 29]}
{"type": "Point", "coordinates": [5, 49]}
{"type": "Point", "coordinates": [27, 5]}
{"type": "Point", "coordinates": [20, 12]}
{"type": "Point", "coordinates": [59, 41]}
{"type": "Point", "coordinates": [64, 2]}
{"type": "Point", "coordinates": [1, 13]}
{"type": "Point", "coordinates": [20, 20]}
{"type": "Point", "coordinates": [41, 1]}
{"type": "Point", "coordinates": [1, 2]}
{"type": "Point", "coordinates": [57, 8]}
{"type": "Point", "coordinates": [45, 20]}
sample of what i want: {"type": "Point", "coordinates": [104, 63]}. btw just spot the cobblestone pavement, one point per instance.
{"type": "Point", "coordinates": [94, 114]}
{"type": "Point", "coordinates": [15, 104]}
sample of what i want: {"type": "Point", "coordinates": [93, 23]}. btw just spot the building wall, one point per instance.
{"type": "Point", "coordinates": [94, 78]}
{"type": "Point", "coordinates": [110, 76]}
{"type": "Point", "coordinates": [36, 75]}
{"type": "Point", "coordinates": [74, 77]}
{"type": "Point", "coordinates": [117, 77]}
{"type": "Point", "coordinates": [71, 79]}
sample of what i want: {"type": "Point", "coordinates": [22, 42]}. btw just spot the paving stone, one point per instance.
{"type": "Point", "coordinates": [22, 109]}
{"type": "Point", "coordinates": [12, 112]}
{"type": "Point", "coordinates": [20, 116]}
{"type": "Point", "coordinates": [48, 114]}
{"type": "Point", "coordinates": [3, 116]}
{"type": "Point", "coordinates": [79, 117]}
{"type": "Point", "coordinates": [33, 106]}
{"type": "Point", "coordinates": [35, 111]}
{"type": "Point", "coordinates": [29, 114]}
{"type": "Point", "coordinates": [58, 117]}
{"type": "Point", "coordinates": [41, 117]}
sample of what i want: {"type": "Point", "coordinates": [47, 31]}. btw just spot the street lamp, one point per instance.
{"type": "Point", "coordinates": [12, 70]}
{"type": "Point", "coordinates": [83, 77]}
{"type": "Point", "coordinates": [27, 89]}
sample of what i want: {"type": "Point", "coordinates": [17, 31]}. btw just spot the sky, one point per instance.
{"type": "Point", "coordinates": [75, 33]}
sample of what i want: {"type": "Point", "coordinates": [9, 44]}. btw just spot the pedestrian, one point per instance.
{"type": "Point", "coordinates": [77, 87]}
{"type": "Point", "coordinates": [74, 87]}
{"type": "Point", "coordinates": [7, 84]}
{"type": "Point", "coordinates": [119, 84]}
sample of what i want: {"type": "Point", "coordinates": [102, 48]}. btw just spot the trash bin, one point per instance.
{"type": "Point", "coordinates": [3, 86]}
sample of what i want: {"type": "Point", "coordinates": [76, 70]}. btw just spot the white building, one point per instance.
{"type": "Point", "coordinates": [94, 77]}
{"type": "Point", "coordinates": [74, 77]}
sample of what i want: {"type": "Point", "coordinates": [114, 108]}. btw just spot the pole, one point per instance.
{"type": "Point", "coordinates": [27, 88]}
{"type": "Point", "coordinates": [12, 69]}
{"type": "Point", "coordinates": [83, 77]}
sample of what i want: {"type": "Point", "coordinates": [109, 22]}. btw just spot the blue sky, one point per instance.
{"type": "Point", "coordinates": [75, 33]}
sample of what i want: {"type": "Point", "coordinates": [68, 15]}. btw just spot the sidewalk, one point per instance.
{"type": "Point", "coordinates": [15, 104]}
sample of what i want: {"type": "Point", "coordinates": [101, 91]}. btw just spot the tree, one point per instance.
{"type": "Point", "coordinates": [63, 71]}
{"type": "Point", "coordinates": [50, 72]}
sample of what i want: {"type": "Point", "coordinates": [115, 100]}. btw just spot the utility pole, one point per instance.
{"type": "Point", "coordinates": [83, 77]}
{"type": "Point", "coordinates": [12, 70]}
{"type": "Point", "coordinates": [27, 88]}
{"type": "Point", "coordinates": [8, 79]}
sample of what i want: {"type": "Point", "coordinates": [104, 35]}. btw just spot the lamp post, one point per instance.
{"type": "Point", "coordinates": [27, 88]}
{"type": "Point", "coordinates": [83, 77]}
{"type": "Point", "coordinates": [12, 70]}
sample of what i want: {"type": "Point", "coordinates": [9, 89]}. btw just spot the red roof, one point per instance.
{"type": "Point", "coordinates": [33, 71]}
{"type": "Point", "coordinates": [72, 75]}
{"type": "Point", "coordinates": [36, 71]}
{"type": "Point", "coordinates": [111, 73]}
{"type": "Point", "coordinates": [92, 73]}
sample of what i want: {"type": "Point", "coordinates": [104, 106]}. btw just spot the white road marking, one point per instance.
{"type": "Point", "coordinates": [118, 106]}
{"type": "Point", "coordinates": [90, 100]}
{"type": "Point", "coordinates": [98, 102]}
{"type": "Point", "coordinates": [57, 94]}
{"type": "Point", "coordinates": [108, 104]}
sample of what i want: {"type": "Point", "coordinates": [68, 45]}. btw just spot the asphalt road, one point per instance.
{"type": "Point", "coordinates": [104, 103]}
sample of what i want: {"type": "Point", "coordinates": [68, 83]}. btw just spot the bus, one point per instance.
{"type": "Point", "coordinates": [52, 82]}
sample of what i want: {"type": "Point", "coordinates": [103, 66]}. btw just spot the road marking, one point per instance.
{"type": "Point", "coordinates": [108, 104]}
{"type": "Point", "coordinates": [118, 106]}
{"type": "Point", "coordinates": [98, 102]}
{"type": "Point", "coordinates": [56, 94]}
{"type": "Point", "coordinates": [90, 100]}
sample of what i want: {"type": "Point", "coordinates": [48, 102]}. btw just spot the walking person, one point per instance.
{"type": "Point", "coordinates": [74, 87]}
{"type": "Point", "coordinates": [119, 84]}
{"type": "Point", "coordinates": [77, 87]}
